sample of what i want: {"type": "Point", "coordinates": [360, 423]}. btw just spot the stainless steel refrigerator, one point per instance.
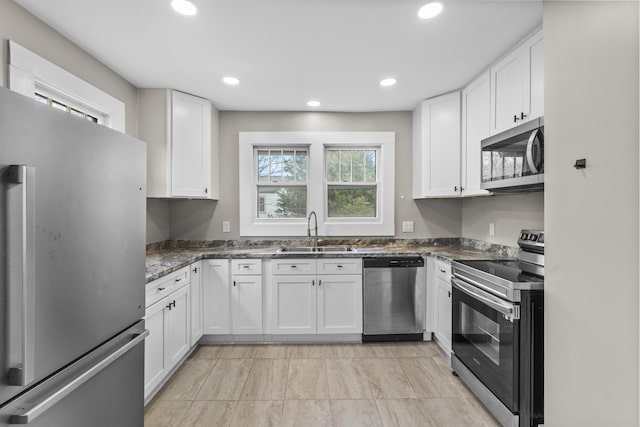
{"type": "Point", "coordinates": [72, 256]}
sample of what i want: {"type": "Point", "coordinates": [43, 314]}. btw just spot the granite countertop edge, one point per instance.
{"type": "Point", "coordinates": [160, 262]}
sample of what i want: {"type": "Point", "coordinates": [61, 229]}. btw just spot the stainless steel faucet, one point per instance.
{"type": "Point", "coordinates": [315, 222]}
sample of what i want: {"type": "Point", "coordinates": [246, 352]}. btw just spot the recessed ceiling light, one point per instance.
{"type": "Point", "coordinates": [184, 7]}
{"type": "Point", "coordinates": [313, 103]}
{"type": "Point", "coordinates": [388, 82]}
{"type": "Point", "coordinates": [231, 80]}
{"type": "Point", "coordinates": [431, 10]}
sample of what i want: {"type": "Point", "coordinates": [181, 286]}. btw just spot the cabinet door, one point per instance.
{"type": "Point", "coordinates": [190, 146]}
{"type": "Point", "coordinates": [197, 322]}
{"type": "Point", "coordinates": [215, 296]}
{"type": "Point", "coordinates": [443, 321]}
{"type": "Point", "coordinates": [534, 49]}
{"type": "Point", "coordinates": [339, 304]}
{"type": "Point", "coordinates": [155, 362]}
{"type": "Point", "coordinates": [476, 123]}
{"type": "Point", "coordinates": [437, 147]}
{"type": "Point", "coordinates": [178, 340]}
{"type": "Point", "coordinates": [246, 304]}
{"type": "Point", "coordinates": [293, 304]}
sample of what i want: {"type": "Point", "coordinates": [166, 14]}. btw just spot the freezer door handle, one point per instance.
{"type": "Point", "coordinates": [21, 273]}
{"type": "Point", "coordinates": [26, 416]}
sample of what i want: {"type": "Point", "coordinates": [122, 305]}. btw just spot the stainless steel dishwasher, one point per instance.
{"type": "Point", "coordinates": [394, 299]}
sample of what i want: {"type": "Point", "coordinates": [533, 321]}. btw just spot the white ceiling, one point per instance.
{"type": "Point", "coordinates": [286, 52]}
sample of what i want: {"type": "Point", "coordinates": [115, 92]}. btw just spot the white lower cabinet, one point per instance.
{"type": "Point", "coordinates": [309, 303]}
{"type": "Point", "coordinates": [440, 281]}
{"type": "Point", "coordinates": [169, 323]}
{"type": "Point", "coordinates": [246, 296]}
{"type": "Point", "coordinates": [215, 297]}
{"type": "Point", "coordinates": [339, 304]}
{"type": "Point", "coordinates": [197, 319]}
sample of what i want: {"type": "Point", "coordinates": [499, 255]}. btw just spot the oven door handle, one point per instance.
{"type": "Point", "coordinates": [511, 312]}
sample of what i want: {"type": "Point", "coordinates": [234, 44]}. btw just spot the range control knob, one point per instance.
{"type": "Point", "coordinates": [524, 236]}
{"type": "Point", "coordinates": [533, 237]}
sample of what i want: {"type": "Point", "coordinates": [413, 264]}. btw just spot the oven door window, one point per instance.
{"type": "Point", "coordinates": [487, 343]}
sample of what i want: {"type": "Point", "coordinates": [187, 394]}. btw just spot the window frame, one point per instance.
{"type": "Point", "coordinates": [30, 73]}
{"type": "Point", "coordinates": [317, 142]}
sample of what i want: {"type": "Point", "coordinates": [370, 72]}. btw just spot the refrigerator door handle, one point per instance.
{"type": "Point", "coordinates": [26, 416]}
{"type": "Point", "coordinates": [21, 274]}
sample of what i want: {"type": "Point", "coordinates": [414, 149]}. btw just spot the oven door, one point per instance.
{"type": "Point", "coordinates": [486, 339]}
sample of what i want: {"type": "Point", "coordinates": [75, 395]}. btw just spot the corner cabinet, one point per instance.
{"type": "Point", "coordinates": [182, 144]}
{"type": "Point", "coordinates": [476, 110]}
{"type": "Point", "coordinates": [517, 85]}
{"type": "Point", "coordinates": [436, 147]}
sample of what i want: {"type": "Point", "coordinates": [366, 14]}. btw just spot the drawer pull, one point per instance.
{"type": "Point", "coordinates": [246, 267]}
{"type": "Point", "coordinates": [161, 289]}
{"type": "Point", "coordinates": [179, 279]}
{"type": "Point", "coordinates": [443, 271]}
{"type": "Point", "coordinates": [294, 266]}
{"type": "Point", "coordinates": [339, 266]}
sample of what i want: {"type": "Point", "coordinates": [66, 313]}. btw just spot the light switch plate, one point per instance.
{"type": "Point", "coordinates": [407, 226]}
{"type": "Point", "coordinates": [226, 226]}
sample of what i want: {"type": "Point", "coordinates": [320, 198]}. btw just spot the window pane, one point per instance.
{"type": "Point", "coordinates": [92, 119]}
{"type": "Point", "coordinates": [263, 165]}
{"type": "Point", "coordinates": [301, 165]}
{"type": "Point", "coordinates": [282, 202]}
{"type": "Point", "coordinates": [351, 202]}
{"type": "Point", "coordinates": [276, 166]}
{"type": "Point", "coordinates": [358, 166]}
{"type": "Point", "coordinates": [288, 166]}
{"type": "Point", "coordinates": [41, 98]}
{"type": "Point", "coordinates": [333, 165]}
{"type": "Point", "coordinates": [345, 165]}
{"type": "Point", "coordinates": [77, 113]}
{"type": "Point", "coordinates": [57, 105]}
{"type": "Point", "coordinates": [370, 166]}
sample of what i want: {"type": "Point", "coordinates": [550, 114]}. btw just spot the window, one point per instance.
{"type": "Point", "coordinates": [351, 183]}
{"type": "Point", "coordinates": [35, 77]}
{"type": "Point", "coordinates": [57, 104]}
{"type": "Point", "coordinates": [282, 182]}
{"type": "Point", "coordinates": [346, 178]}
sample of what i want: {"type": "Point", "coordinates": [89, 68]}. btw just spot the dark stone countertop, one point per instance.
{"type": "Point", "coordinates": [175, 255]}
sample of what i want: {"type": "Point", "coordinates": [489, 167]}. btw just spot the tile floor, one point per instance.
{"type": "Point", "coordinates": [402, 384]}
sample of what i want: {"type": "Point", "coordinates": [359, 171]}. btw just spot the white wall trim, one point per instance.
{"type": "Point", "coordinates": [383, 225]}
{"type": "Point", "coordinates": [28, 70]}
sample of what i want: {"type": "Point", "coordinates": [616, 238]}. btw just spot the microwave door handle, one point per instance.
{"type": "Point", "coordinates": [510, 311]}
{"type": "Point", "coordinates": [21, 274]}
{"type": "Point", "coordinates": [533, 164]}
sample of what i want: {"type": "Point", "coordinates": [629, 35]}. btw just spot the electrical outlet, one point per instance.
{"type": "Point", "coordinates": [492, 229]}
{"type": "Point", "coordinates": [407, 226]}
{"type": "Point", "coordinates": [226, 227]}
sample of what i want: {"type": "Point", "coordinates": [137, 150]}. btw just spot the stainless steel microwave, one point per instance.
{"type": "Point", "coordinates": [513, 160]}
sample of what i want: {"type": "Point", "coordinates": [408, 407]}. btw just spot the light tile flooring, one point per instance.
{"type": "Point", "coordinates": [400, 384]}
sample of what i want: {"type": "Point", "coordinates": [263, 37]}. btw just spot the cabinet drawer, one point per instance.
{"type": "Point", "coordinates": [443, 270]}
{"type": "Point", "coordinates": [339, 266]}
{"type": "Point", "coordinates": [293, 266]}
{"type": "Point", "coordinates": [246, 266]}
{"type": "Point", "coordinates": [160, 288]}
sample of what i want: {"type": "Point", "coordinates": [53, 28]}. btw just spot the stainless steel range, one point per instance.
{"type": "Point", "coordinates": [497, 331]}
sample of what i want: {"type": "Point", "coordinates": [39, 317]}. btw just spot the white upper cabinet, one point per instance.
{"type": "Point", "coordinates": [190, 145]}
{"type": "Point", "coordinates": [476, 110]}
{"type": "Point", "coordinates": [436, 147]}
{"type": "Point", "coordinates": [517, 85]}
{"type": "Point", "coordinates": [182, 144]}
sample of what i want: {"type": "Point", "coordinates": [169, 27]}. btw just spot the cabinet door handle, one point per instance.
{"type": "Point", "coordinates": [206, 191]}
{"type": "Point", "coordinates": [319, 282]}
{"type": "Point", "coordinates": [449, 294]}
{"type": "Point", "coordinates": [313, 283]}
{"type": "Point", "coordinates": [515, 118]}
{"type": "Point", "coordinates": [522, 116]}
{"type": "Point", "coordinates": [455, 189]}
{"type": "Point", "coordinates": [234, 283]}
{"type": "Point", "coordinates": [195, 269]}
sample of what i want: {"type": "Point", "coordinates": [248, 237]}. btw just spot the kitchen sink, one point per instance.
{"type": "Point", "coordinates": [316, 249]}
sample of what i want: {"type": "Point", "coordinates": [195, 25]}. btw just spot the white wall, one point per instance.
{"type": "Point", "coordinates": [510, 214]}
{"type": "Point", "coordinates": [591, 215]}
{"type": "Point", "coordinates": [203, 220]}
